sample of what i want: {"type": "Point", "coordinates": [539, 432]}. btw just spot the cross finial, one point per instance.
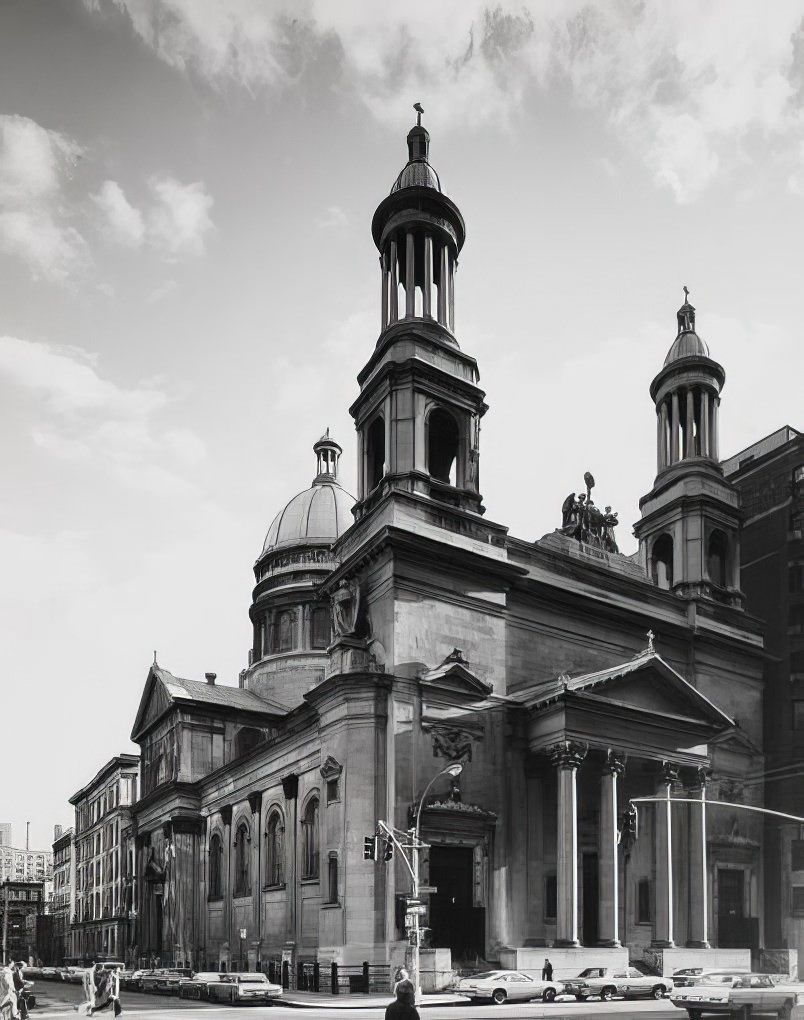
{"type": "Point", "coordinates": [686, 295]}
{"type": "Point", "coordinates": [155, 663]}
{"type": "Point", "coordinates": [651, 636]}
{"type": "Point", "coordinates": [419, 111]}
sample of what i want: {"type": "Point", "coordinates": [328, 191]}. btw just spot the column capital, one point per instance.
{"type": "Point", "coordinates": [615, 762]}
{"type": "Point", "coordinates": [568, 754]}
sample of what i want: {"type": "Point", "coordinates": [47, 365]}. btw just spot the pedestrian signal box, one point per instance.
{"type": "Point", "coordinates": [370, 848]}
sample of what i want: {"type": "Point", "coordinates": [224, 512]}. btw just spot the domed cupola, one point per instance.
{"type": "Point", "coordinates": [291, 626]}
{"type": "Point", "coordinates": [419, 410]}
{"type": "Point", "coordinates": [690, 526]}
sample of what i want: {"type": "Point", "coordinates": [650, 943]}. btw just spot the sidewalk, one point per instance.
{"type": "Point", "coordinates": [358, 1000]}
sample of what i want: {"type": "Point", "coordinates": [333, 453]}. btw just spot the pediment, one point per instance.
{"type": "Point", "coordinates": [454, 677]}
{"type": "Point", "coordinates": [156, 700]}
{"type": "Point", "coordinates": [645, 685]}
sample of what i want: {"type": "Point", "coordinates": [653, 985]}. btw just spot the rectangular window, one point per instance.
{"type": "Point", "coordinates": [797, 855]}
{"type": "Point", "coordinates": [333, 790]}
{"type": "Point", "coordinates": [643, 901]}
{"type": "Point", "coordinates": [332, 878]}
{"type": "Point", "coordinates": [798, 900]}
{"type": "Point", "coordinates": [550, 898]}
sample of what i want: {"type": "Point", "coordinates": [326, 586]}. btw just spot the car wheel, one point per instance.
{"type": "Point", "coordinates": [579, 997]}
{"type": "Point", "coordinates": [549, 995]}
{"type": "Point", "coordinates": [658, 991]}
{"type": "Point", "coordinates": [606, 994]}
{"type": "Point", "coordinates": [499, 996]}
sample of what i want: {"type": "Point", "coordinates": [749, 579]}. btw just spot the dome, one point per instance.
{"type": "Point", "coordinates": [417, 174]}
{"type": "Point", "coordinates": [317, 516]}
{"type": "Point", "coordinates": [686, 345]}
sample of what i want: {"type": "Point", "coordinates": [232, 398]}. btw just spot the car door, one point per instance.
{"type": "Point", "coordinates": [520, 986]}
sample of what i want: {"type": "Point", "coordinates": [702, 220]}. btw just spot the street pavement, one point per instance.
{"type": "Point", "coordinates": [56, 1001]}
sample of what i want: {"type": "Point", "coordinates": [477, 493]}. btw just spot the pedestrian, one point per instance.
{"type": "Point", "coordinates": [547, 970]}
{"type": "Point", "coordinates": [19, 988]}
{"type": "Point", "coordinates": [101, 989]}
{"type": "Point", "coordinates": [400, 975]}
{"type": "Point", "coordinates": [404, 1006]}
{"type": "Point", "coordinates": [8, 994]}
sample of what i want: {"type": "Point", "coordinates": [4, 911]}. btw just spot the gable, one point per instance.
{"type": "Point", "coordinates": [648, 691]}
{"type": "Point", "coordinates": [158, 703]}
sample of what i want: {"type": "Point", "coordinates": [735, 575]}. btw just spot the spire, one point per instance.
{"type": "Point", "coordinates": [327, 452]}
{"type": "Point", "coordinates": [686, 315]}
{"type": "Point", "coordinates": [418, 138]}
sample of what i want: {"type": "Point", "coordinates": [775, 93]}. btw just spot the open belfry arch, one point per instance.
{"type": "Point", "coordinates": [400, 634]}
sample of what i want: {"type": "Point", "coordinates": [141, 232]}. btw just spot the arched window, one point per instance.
{"type": "Point", "coordinates": [442, 446]}
{"type": "Point", "coordinates": [310, 851]}
{"type": "Point", "coordinates": [274, 850]}
{"type": "Point", "coordinates": [663, 562]}
{"type": "Point", "coordinates": [375, 452]}
{"type": "Point", "coordinates": [242, 861]}
{"type": "Point", "coordinates": [215, 867]}
{"type": "Point", "coordinates": [716, 558]}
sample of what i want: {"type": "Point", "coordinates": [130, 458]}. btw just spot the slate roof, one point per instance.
{"type": "Point", "coordinates": [180, 689]}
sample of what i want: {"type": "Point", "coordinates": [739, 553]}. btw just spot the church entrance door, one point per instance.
{"type": "Point", "coordinates": [455, 923]}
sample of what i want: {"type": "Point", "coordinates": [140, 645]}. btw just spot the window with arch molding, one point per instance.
{"type": "Point", "coordinates": [662, 567]}
{"type": "Point", "coordinates": [442, 446]}
{"type": "Point", "coordinates": [375, 452]}
{"type": "Point", "coordinates": [274, 849]}
{"type": "Point", "coordinates": [242, 860]}
{"type": "Point", "coordinates": [285, 631]}
{"type": "Point", "coordinates": [215, 867]}
{"type": "Point", "coordinates": [310, 843]}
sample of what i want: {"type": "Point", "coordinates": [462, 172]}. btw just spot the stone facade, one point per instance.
{"type": "Point", "coordinates": [415, 634]}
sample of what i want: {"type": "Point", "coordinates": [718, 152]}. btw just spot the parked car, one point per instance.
{"type": "Point", "coordinates": [243, 988]}
{"type": "Point", "coordinates": [739, 995]}
{"type": "Point", "coordinates": [609, 981]}
{"type": "Point", "coordinates": [197, 986]}
{"type": "Point", "coordinates": [73, 975]}
{"type": "Point", "coordinates": [507, 986]}
{"type": "Point", "coordinates": [687, 976]}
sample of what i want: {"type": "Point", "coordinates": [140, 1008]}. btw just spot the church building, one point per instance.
{"type": "Point", "coordinates": [400, 631]}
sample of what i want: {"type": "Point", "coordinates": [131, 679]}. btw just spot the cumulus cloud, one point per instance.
{"type": "Point", "coordinates": [178, 220]}
{"type": "Point", "coordinates": [333, 217]}
{"type": "Point", "coordinates": [682, 87]}
{"type": "Point", "coordinates": [122, 222]}
{"type": "Point", "coordinates": [84, 417]}
{"type": "Point", "coordinates": [34, 215]}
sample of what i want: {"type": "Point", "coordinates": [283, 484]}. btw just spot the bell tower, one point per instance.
{"type": "Point", "coordinates": [419, 409]}
{"type": "Point", "coordinates": [690, 526]}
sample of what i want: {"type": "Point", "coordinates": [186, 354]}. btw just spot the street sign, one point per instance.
{"type": "Point", "coordinates": [416, 908]}
{"type": "Point", "coordinates": [425, 889]}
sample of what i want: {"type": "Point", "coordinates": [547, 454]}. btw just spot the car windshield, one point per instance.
{"type": "Point", "coordinates": [718, 979]}
{"type": "Point", "coordinates": [592, 972]}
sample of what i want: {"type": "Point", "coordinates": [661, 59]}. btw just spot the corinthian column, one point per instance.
{"type": "Point", "coordinates": [567, 757]}
{"type": "Point", "coordinates": [663, 933]}
{"type": "Point", "coordinates": [699, 886]}
{"type": "Point", "coordinates": [609, 889]}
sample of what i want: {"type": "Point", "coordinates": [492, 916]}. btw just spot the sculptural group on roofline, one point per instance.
{"type": "Point", "coordinates": [585, 522]}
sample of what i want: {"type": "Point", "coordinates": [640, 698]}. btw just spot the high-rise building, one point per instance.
{"type": "Point", "coordinates": [5, 834]}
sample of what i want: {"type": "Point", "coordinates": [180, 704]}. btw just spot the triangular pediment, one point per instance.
{"type": "Point", "coordinates": [156, 700]}
{"type": "Point", "coordinates": [453, 676]}
{"type": "Point", "coordinates": [644, 685]}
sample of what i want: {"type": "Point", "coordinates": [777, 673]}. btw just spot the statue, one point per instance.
{"type": "Point", "coordinates": [582, 520]}
{"type": "Point", "coordinates": [345, 605]}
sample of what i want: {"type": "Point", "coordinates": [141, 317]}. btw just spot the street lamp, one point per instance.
{"type": "Point", "coordinates": [453, 769]}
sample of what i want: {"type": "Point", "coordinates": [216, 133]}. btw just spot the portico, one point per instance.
{"type": "Point", "coordinates": [597, 741]}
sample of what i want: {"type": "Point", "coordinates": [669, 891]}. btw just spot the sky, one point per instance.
{"type": "Point", "coordinates": [189, 288]}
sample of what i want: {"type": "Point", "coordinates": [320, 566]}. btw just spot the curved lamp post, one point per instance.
{"type": "Point", "coordinates": [453, 769]}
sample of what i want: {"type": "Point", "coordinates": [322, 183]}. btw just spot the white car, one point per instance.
{"type": "Point", "coordinates": [507, 986]}
{"type": "Point", "coordinates": [242, 988]}
{"type": "Point", "coordinates": [739, 995]}
{"type": "Point", "coordinates": [609, 981]}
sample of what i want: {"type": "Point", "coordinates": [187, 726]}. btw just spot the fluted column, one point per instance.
{"type": "Point", "coordinates": [674, 429]}
{"type": "Point", "coordinates": [410, 276]}
{"type": "Point", "coordinates": [394, 278]}
{"type": "Point", "coordinates": [609, 885]}
{"type": "Point", "coordinates": [427, 293]}
{"type": "Point", "coordinates": [699, 884]}
{"type": "Point", "coordinates": [663, 933]}
{"type": "Point", "coordinates": [567, 757]}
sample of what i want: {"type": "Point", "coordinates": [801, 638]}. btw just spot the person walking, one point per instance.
{"type": "Point", "coordinates": [547, 970]}
{"type": "Point", "coordinates": [19, 988]}
{"type": "Point", "coordinates": [404, 1006]}
{"type": "Point", "coordinates": [8, 994]}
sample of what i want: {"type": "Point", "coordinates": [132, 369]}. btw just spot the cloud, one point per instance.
{"type": "Point", "coordinates": [178, 220]}
{"type": "Point", "coordinates": [682, 88]}
{"type": "Point", "coordinates": [34, 214]}
{"type": "Point", "coordinates": [123, 223]}
{"type": "Point", "coordinates": [333, 217]}
{"type": "Point", "coordinates": [174, 222]}
{"type": "Point", "coordinates": [82, 417]}
{"type": "Point", "coordinates": [162, 291]}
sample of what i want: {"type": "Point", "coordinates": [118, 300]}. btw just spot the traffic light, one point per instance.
{"type": "Point", "coordinates": [370, 848]}
{"type": "Point", "coordinates": [388, 853]}
{"type": "Point", "coordinates": [630, 827]}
